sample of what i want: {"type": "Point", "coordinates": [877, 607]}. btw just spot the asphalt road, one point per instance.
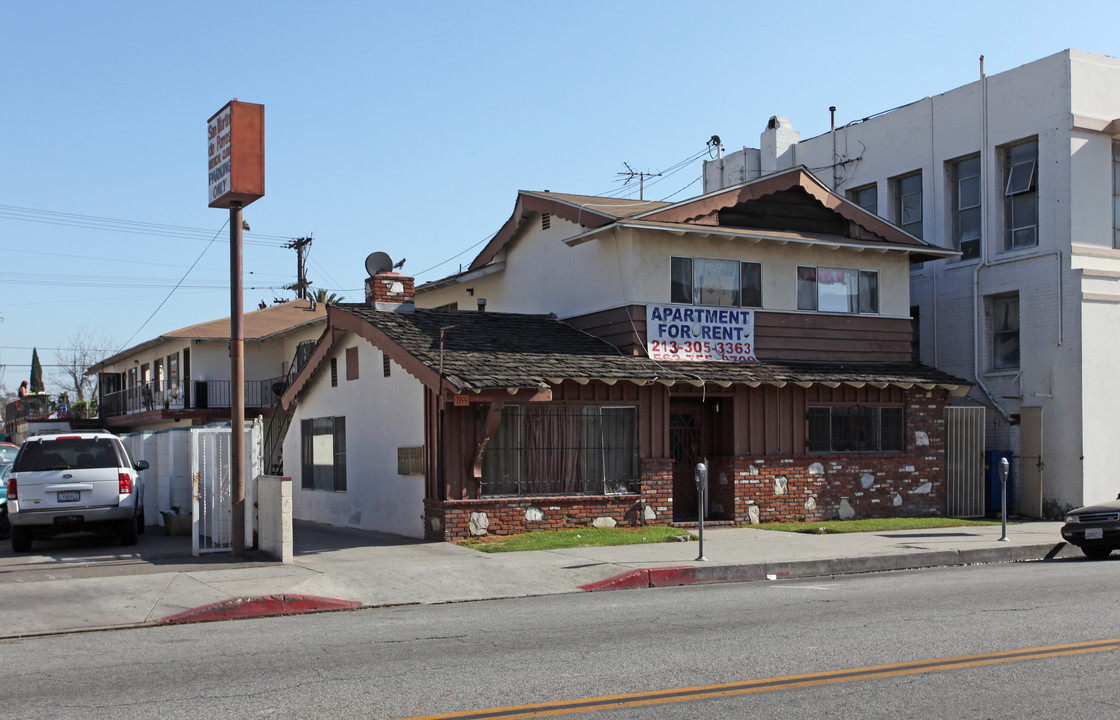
{"type": "Point", "coordinates": [470, 657]}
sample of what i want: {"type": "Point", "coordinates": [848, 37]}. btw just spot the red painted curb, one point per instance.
{"type": "Point", "coordinates": [670, 576]}
{"type": "Point", "coordinates": [644, 578]}
{"type": "Point", "coordinates": [626, 581]}
{"type": "Point", "coordinates": [263, 606]}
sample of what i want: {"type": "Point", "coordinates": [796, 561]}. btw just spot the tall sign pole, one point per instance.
{"type": "Point", "coordinates": [235, 136]}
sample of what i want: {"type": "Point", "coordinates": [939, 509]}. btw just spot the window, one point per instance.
{"type": "Point", "coordinates": [964, 176]}
{"type": "Point", "coordinates": [410, 460]}
{"type": "Point", "coordinates": [1116, 194]}
{"type": "Point", "coordinates": [352, 363]}
{"type": "Point", "coordinates": [867, 197]}
{"type": "Point", "coordinates": [698, 281]}
{"type": "Point", "coordinates": [334, 372]}
{"type": "Point", "coordinates": [1020, 195]}
{"type": "Point", "coordinates": [855, 429]}
{"type": "Point", "coordinates": [563, 449]}
{"type": "Point", "coordinates": [173, 371]}
{"type": "Point", "coordinates": [323, 454]}
{"type": "Point", "coordinates": [908, 203]}
{"type": "Point", "coordinates": [838, 290]}
{"type": "Point", "coordinates": [1005, 331]}
{"type": "Point", "coordinates": [386, 365]}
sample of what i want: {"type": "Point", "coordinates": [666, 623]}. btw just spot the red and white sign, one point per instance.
{"type": "Point", "coordinates": [691, 332]}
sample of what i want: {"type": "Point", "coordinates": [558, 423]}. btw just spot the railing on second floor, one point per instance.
{"type": "Point", "coordinates": [194, 395]}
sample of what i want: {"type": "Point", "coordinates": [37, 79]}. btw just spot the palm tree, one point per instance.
{"type": "Point", "coordinates": [321, 296]}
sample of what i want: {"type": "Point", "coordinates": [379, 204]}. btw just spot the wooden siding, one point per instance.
{"type": "Point", "coordinates": [624, 327]}
{"type": "Point", "coordinates": [741, 421]}
{"type": "Point", "coordinates": [778, 336]}
{"type": "Point", "coordinates": [831, 338]}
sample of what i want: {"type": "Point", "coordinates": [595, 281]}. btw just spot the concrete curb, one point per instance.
{"type": "Point", "coordinates": [752, 572]}
{"type": "Point", "coordinates": [263, 606]}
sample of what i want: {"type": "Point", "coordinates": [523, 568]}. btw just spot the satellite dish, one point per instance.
{"type": "Point", "coordinates": [378, 262]}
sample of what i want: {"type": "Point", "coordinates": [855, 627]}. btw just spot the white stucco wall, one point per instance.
{"type": "Point", "coordinates": [1067, 341]}
{"type": "Point", "coordinates": [629, 266]}
{"type": "Point", "coordinates": [381, 414]}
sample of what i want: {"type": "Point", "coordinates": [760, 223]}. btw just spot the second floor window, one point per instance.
{"type": "Point", "coordinates": [837, 290]}
{"type": "Point", "coordinates": [908, 203]}
{"type": "Point", "coordinates": [1005, 331]}
{"type": "Point", "coordinates": [965, 193]}
{"type": "Point", "coordinates": [867, 197]}
{"type": "Point", "coordinates": [700, 281]}
{"type": "Point", "coordinates": [1020, 204]}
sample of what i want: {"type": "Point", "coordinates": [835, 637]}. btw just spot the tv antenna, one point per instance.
{"type": "Point", "coordinates": [631, 173]}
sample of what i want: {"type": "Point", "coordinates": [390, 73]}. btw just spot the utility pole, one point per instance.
{"type": "Point", "coordinates": [631, 174]}
{"type": "Point", "coordinates": [301, 284]}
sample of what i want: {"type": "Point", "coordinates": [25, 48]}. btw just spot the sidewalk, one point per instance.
{"type": "Point", "coordinates": [81, 583]}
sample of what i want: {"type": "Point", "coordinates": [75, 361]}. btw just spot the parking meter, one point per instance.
{"type": "Point", "coordinates": [701, 475]}
{"type": "Point", "coordinates": [1004, 467]}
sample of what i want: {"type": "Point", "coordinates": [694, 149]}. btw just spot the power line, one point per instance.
{"type": "Point", "coordinates": [135, 227]}
{"type": "Point", "coordinates": [188, 272]}
{"type": "Point", "coordinates": [486, 239]}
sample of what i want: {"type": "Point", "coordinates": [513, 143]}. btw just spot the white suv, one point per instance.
{"type": "Point", "coordinates": [75, 481]}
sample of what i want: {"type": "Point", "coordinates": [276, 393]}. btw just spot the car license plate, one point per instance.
{"type": "Point", "coordinates": [1094, 533]}
{"type": "Point", "coordinates": [69, 496]}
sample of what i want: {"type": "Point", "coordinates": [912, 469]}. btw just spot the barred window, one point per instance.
{"type": "Point", "coordinates": [554, 450]}
{"type": "Point", "coordinates": [855, 429]}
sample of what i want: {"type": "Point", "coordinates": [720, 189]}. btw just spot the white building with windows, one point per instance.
{"type": "Point", "coordinates": [1020, 172]}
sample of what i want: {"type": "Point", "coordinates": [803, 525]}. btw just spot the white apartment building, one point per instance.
{"type": "Point", "coordinates": [1020, 172]}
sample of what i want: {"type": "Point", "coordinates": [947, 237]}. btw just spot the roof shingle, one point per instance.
{"type": "Point", "coordinates": [490, 351]}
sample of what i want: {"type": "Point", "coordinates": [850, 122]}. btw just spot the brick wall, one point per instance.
{"type": "Point", "coordinates": [826, 487]}
{"type": "Point", "coordinates": [451, 519]}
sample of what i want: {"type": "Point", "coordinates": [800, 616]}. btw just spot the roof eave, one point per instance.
{"type": "Point", "coordinates": [928, 253]}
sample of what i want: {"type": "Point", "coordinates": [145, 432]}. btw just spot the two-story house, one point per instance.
{"type": "Point", "coordinates": [1020, 172]}
{"type": "Point", "coordinates": [598, 349]}
{"type": "Point", "coordinates": [181, 378]}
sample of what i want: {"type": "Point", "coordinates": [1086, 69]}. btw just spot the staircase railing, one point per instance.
{"type": "Point", "coordinates": [281, 418]}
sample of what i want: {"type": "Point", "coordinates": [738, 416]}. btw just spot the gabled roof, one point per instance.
{"type": "Point", "coordinates": [792, 201]}
{"type": "Point", "coordinates": [258, 325]}
{"type": "Point", "coordinates": [586, 210]}
{"type": "Point", "coordinates": [487, 351]}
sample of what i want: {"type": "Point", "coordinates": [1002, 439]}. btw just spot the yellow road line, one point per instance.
{"type": "Point", "coordinates": [701, 692]}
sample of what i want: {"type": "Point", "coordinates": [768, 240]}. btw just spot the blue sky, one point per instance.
{"type": "Point", "coordinates": [409, 127]}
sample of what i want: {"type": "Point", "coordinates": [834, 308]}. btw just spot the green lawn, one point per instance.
{"type": "Point", "coordinates": [598, 537]}
{"type": "Point", "coordinates": [826, 527]}
{"type": "Point", "coordinates": [576, 537]}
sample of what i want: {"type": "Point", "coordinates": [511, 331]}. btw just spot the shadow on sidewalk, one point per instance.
{"type": "Point", "coordinates": [314, 538]}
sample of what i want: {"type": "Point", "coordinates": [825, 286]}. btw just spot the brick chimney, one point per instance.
{"type": "Point", "coordinates": [391, 291]}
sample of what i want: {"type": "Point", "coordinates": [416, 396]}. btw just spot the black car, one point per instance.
{"type": "Point", "coordinates": [1095, 529]}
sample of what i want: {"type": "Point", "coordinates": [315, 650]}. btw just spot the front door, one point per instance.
{"type": "Point", "coordinates": [687, 445]}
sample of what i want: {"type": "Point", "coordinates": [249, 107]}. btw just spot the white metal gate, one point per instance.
{"type": "Point", "coordinates": [212, 490]}
{"type": "Point", "coordinates": [964, 461]}
{"type": "Point", "coordinates": [212, 486]}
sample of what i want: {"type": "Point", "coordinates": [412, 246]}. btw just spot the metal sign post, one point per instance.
{"type": "Point", "coordinates": [1004, 467]}
{"type": "Point", "coordinates": [701, 474]}
{"type": "Point", "coordinates": [235, 163]}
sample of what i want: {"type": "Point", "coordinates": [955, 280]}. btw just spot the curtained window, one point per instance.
{"type": "Point", "coordinates": [323, 454]}
{"type": "Point", "coordinates": [563, 450]}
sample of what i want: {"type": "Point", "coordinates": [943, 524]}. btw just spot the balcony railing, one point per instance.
{"type": "Point", "coordinates": [192, 395]}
